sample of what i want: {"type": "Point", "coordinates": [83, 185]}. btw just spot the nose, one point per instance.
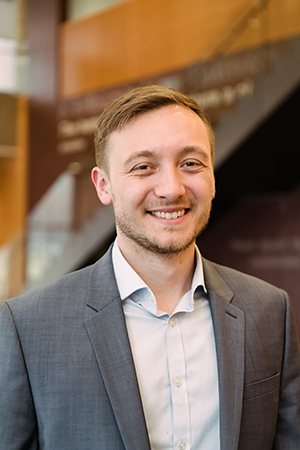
{"type": "Point", "coordinates": [170, 185]}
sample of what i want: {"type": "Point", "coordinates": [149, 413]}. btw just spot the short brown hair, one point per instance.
{"type": "Point", "coordinates": [135, 102]}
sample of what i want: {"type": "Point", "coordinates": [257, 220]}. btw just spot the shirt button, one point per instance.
{"type": "Point", "coordinates": [178, 383]}
{"type": "Point", "coordinates": [172, 322]}
{"type": "Point", "coordinates": [182, 445]}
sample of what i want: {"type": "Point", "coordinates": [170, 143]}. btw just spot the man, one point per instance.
{"type": "Point", "coordinates": [153, 347]}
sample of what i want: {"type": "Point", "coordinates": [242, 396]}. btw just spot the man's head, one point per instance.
{"type": "Point", "coordinates": [134, 103]}
{"type": "Point", "coordinates": [156, 167]}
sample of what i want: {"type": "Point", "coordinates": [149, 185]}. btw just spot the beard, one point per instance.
{"type": "Point", "coordinates": [152, 244]}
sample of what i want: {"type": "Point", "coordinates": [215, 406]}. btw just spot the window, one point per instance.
{"type": "Point", "coordinates": [76, 9]}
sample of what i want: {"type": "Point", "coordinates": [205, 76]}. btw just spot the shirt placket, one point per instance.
{"type": "Point", "coordinates": [178, 385]}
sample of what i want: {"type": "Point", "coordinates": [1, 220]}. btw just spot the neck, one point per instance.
{"type": "Point", "coordinates": [168, 276]}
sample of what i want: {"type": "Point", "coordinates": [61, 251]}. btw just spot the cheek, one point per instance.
{"type": "Point", "coordinates": [205, 189]}
{"type": "Point", "coordinates": [128, 195]}
{"type": "Point", "coordinates": [135, 191]}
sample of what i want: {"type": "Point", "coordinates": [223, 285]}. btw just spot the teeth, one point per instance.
{"type": "Point", "coordinates": [169, 215]}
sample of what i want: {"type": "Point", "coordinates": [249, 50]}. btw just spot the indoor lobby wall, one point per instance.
{"type": "Point", "coordinates": [139, 39]}
{"type": "Point", "coordinates": [75, 64]}
{"type": "Point", "coordinates": [124, 44]}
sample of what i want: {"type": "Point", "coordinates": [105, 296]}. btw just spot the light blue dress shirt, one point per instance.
{"type": "Point", "coordinates": [175, 361]}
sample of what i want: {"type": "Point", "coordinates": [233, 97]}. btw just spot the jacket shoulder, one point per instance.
{"type": "Point", "coordinates": [239, 281]}
{"type": "Point", "coordinates": [70, 288]}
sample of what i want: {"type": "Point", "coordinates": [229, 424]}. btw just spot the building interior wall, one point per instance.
{"type": "Point", "coordinates": [139, 38]}
{"type": "Point", "coordinates": [132, 41]}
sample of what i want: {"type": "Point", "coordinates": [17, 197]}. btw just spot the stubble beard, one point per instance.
{"type": "Point", "coordinates": [153, 245]}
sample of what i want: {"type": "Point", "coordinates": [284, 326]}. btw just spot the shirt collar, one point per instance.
{"type": "Point", "coordinates": [128, 281]}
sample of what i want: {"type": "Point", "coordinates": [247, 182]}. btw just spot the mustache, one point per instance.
{"type": "Point", "coordinates": [168, 205]}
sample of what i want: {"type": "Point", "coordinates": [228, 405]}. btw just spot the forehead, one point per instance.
{"type": "Point", "coordinates": [168, 126]}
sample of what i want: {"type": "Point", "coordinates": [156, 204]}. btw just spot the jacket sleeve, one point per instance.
{"type": "Point", "coordinates": [287, 435]}
{"type": "Point", "coordinates": [18, 429]}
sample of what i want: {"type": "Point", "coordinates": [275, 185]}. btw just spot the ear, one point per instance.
{"type": "Point", "coordinates": [102, 185]}
{"type": "Point", "coordinates": [214, 191]}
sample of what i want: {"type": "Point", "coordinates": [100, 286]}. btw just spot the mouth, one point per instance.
{"type": "Point", "coordinates": [169, 215]}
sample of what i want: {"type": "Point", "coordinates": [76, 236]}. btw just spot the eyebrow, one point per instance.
{"type": "Point", "coordinates": [182, 152]}
{"type": "Point", "coordinates": [191, 148]}
{"type": "Point", "coordinates": [140, 154]}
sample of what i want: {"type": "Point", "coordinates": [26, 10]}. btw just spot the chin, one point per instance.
{"type": "Point", "coordinates": [164, 248]}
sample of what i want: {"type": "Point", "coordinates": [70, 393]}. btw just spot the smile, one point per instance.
{"type": "Point", "coordinates": [169, 215]}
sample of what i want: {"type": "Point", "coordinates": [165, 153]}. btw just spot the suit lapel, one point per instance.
{"type": "Point", "coordinates": [109, 338]}
{"type": "Point", "coordinates": [228, 322]}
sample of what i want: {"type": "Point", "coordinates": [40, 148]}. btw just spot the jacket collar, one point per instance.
{"type": "Point", "coordinates": [229, 329]}
{"type": "Point", "coordinates": [110, 342]}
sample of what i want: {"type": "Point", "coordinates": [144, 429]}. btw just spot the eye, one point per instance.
{"type": "Point", "coordinates": [143, 169]}
{"type": "Point", "coordinates": [192, 165]}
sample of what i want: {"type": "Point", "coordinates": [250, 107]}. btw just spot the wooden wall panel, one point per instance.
{"type": "Point", "coordinates": [13, 181]}
{"type": "Point", "coordinates": [140, 38]}
{"type": "Point", "coordinates": [281, 20]}
{"type": "Point", "coordinates": [137, 39]}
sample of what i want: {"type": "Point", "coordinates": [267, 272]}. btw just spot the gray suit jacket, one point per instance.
{"type": "Point", "coordinates": [67, 378]}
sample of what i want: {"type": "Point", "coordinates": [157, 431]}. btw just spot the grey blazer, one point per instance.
{"type": "Point", "coordinates": [67, 378]}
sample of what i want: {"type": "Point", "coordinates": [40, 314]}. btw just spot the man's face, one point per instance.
{"type": "Point", "coordinates": [160, 180]}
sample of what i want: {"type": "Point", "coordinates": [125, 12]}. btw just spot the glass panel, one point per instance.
{"type": "Point", "coordinates": [76, 9]}
{"type": "Point", "coordinates": [49, 225]}
{"type": "Point", "coordinates": [4, 264]}
{"type": "Point", "coordinates": [8, 78]}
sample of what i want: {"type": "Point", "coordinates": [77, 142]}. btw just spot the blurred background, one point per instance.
{"type": "Point", "coordinates": [62, 60]}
